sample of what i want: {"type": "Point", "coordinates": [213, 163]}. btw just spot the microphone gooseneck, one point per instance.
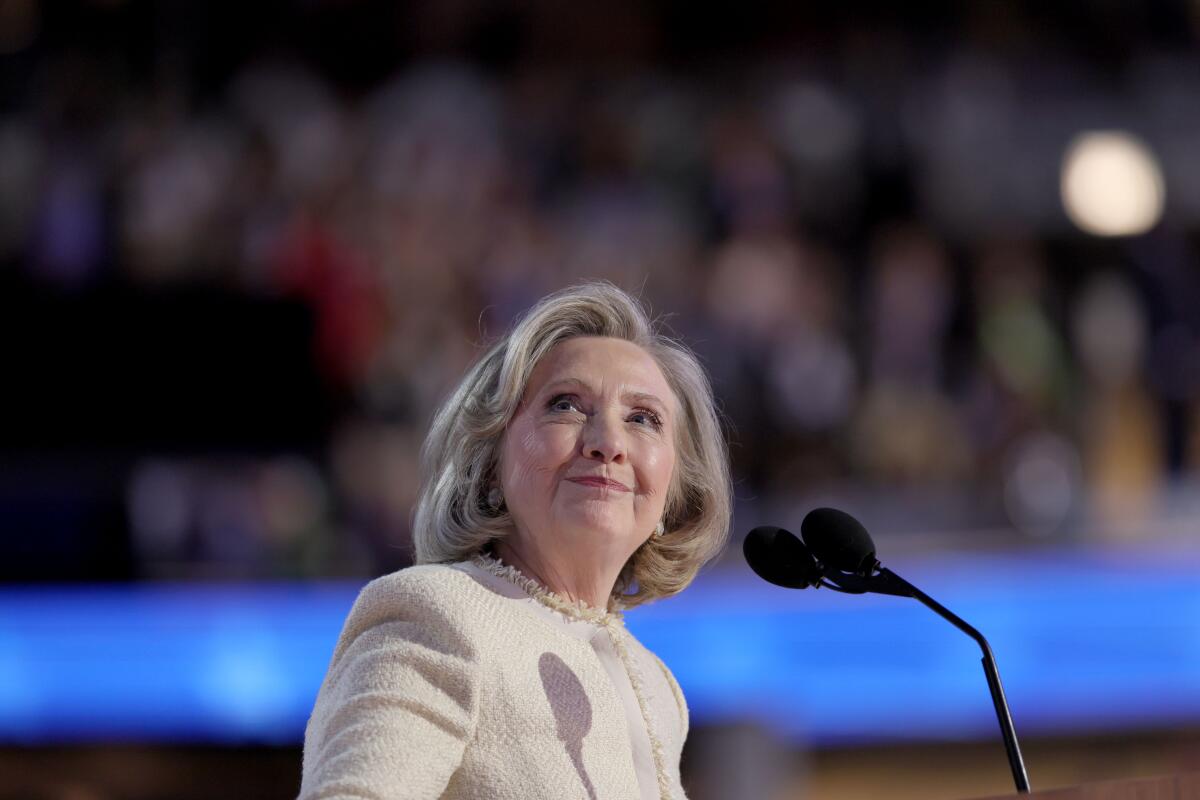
{"type": "Point", "coordinates": [837, 552]}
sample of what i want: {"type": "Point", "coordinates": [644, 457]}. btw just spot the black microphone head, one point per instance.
{"type": "Point", "coordinates": [839, 541]}
{"type": "Point", "coordinates": [778, 557]}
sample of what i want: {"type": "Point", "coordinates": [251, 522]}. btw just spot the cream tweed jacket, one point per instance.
{"type": "Point", "coordinates": [450, 682]}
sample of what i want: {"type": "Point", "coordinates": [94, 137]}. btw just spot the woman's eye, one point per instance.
{"type": "Point", "coordinates": [647, 418]}
{"type": "Point", "coordinates": [563, 403]}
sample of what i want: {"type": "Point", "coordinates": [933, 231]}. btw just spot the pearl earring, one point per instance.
{"type": "Point", "coordinates": [659, 529]}
{"type": "Point", "coordinates": [495, 498]}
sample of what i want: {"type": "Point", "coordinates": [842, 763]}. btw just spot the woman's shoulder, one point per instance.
{"type": "Point", "coordinates": [439, 598]}
{"type": "Point", "coordinates": [440, 589]}
{"type": "Point", "coordinates": [434, 584]}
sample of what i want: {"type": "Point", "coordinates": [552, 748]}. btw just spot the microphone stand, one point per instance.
{"type": "Point", "coordinates": [887, 582]}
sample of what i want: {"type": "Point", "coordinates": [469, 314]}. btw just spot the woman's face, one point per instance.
{"type": "Point", "coordinates": [588, 457]}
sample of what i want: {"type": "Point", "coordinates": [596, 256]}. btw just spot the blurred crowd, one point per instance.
{"type": "Point", "coordinates": [862, 239]}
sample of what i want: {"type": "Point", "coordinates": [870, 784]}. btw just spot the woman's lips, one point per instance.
{"type": "Point", "coordinates": [601, 483]}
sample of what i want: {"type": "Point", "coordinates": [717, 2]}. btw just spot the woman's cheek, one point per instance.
{"type": "Point", "coordinates": [543, 452]}
{"type": "Point", "coordinates": [658, 466]}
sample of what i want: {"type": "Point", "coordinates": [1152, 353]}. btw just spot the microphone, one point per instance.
{"type": "Point", "coordinates": [839, 541]}
{"type": "Point", "coordinates": [837, 552]}
{"type": "Point", "coordinates": [778, 557]}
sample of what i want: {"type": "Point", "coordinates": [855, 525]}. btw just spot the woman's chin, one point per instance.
{"type": "Point", "coordinates": [592, 523]}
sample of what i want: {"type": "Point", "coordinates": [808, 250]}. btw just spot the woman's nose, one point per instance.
{"type": "Point", "coordinates": [604, 438]}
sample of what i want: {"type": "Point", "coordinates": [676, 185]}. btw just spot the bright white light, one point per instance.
{"type": "Point", "coordinates": [1112, 184]}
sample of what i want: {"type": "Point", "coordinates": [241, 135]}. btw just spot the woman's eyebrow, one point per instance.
{"type": "Point", "coordinates": [645, 397]}
{"type": "Point", "coordinates": [567, 383]}
{"type": "Point", "coordinates": [631, 398]}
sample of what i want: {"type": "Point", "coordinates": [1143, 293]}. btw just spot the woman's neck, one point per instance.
{"type": "Point", "coordinates": [560, 575]}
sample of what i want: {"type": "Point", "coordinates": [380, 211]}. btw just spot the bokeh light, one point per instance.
{"type": "Point", "coordinates": [1112, 184]}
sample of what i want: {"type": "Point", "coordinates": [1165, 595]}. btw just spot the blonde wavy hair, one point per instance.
{"type": "Point", "coordinates": [453, 521]}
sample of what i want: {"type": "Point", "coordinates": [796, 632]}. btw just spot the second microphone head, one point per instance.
{"type": "Point", "coordinates": [839, 541]}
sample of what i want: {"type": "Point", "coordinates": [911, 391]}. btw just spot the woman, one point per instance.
{"type": "Point", "coordinates": [577, 470]}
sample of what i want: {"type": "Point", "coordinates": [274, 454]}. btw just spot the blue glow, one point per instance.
{"type": "Point", "coordinates": [1083, 642]}
{"type": "Point", "coordinates": [225, 663]}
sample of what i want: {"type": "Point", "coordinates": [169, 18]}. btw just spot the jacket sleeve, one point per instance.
{"type": "Point", "coordinates": [399, 702]}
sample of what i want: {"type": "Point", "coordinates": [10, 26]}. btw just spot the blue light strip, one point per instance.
{"type": "Point", "coordinates": [217, 663]}
{"type": "Point", "coordinates": [1084, 642]}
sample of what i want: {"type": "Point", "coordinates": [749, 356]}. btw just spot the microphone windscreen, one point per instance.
{"type": "Point", "coordinates": [778, 557]}
{"type": "Point", "coordinates": [838, 540]}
